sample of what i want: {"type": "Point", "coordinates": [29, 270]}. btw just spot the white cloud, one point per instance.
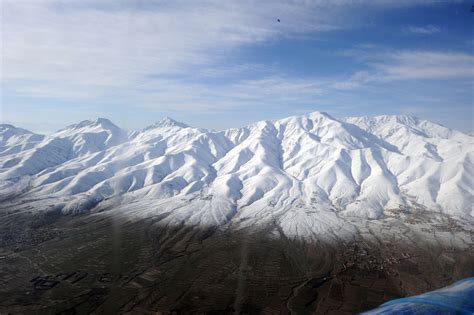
{"type": "Point", "coordinates": [273, 91]}
{"type": "Point", "coordinates": [107, 43]}
{"type": "Point", "coordinates": [386, 66]}
{"type": "Point", "coordinates": [422, 30]}
{"type": "Point", "coordinates": [157, 55]}
{"type": "Point", "coordinates": [152, 53]}
{"type": "Point", "coordinates": [114, 44]}
{"type": "Point", "coordinates": [419, 65]}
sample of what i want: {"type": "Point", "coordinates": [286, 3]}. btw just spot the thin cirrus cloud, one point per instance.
{"type": "Point", "coordinates": [408, 65]}
{"type": "Point", "coordinates": [112, 44]}
{"type": "Point", "coordinates": [271, 89]}
{"type": "Point", "coordinates": [184, 55]}
{"type": "Point", "coordinates": [277, 90]}
{"type": "Point", "coordinates": [120, 44]}
{"type": "Point", "coordinates": [96, 49]}
{"type": "Point", "coordinates": [422, 30]}
{"type": "Point", "coordinates": [416, 65]}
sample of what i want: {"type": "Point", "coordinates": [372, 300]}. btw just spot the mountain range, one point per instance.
{"type": "Point", "coordinates": [300, 171]}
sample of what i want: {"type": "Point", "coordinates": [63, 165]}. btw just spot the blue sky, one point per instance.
{"type": "Point", "coordinates": [221, 64]}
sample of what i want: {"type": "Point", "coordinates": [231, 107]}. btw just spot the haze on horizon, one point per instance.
{"type": "Point", "coordinates": [222, 64]}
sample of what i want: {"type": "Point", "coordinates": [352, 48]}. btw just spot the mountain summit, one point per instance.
{"type": "Point", "coordinates": [296, 170]}
{"type": "Point", "coordinates": [169, 122]}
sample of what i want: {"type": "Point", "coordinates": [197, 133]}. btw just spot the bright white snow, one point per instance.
{"type": "Point", "coordinates": [301, 170]}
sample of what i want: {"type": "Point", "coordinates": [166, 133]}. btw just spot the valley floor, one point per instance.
{"type": "Point", "coordinates": [108, 264]}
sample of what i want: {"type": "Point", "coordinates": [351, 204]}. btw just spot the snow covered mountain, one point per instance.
{"type": "Point", "coordinates": [14, 140]}
{"type": "Point", "coordinates": [300, 170]}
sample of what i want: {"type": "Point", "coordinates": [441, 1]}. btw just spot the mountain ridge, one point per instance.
{"type": "Point", "coordinates": [171, 121]}
{"type": "Point", "coordinates": [356, 167]}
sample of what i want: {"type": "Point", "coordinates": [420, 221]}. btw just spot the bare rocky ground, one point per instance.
{"type": "Point", "coordinates": [107, 263]}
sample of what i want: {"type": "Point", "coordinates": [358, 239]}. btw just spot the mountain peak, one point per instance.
{"type": "Point", "coordinates": [98, 122]}
{"type": "Point", "coordinates": [6, 126]}
{"type": "Point", "coordinates": [360, 168]}
{"type": "Point", "coordinates": [320, 114]}
{"type": "Point", "coordinates": [169, 122]}
{"type": "Point", "coordinates": [10, 129]}
{"type": "Point", "coordinates": [316, 116]}
{"type": "Point", "coordinates": [103, 121]}
{"type": "Point", "coordinates": [403, 119]}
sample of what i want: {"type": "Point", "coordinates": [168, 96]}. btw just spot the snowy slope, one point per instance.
{"type": "Point", "coordinates": [302, 171]}
{"type": "Point", "coordinates": [14, 140]}
{"type": "Point", "coordinates": [437, 164]}
{"type": "Point", "coordinates": [31, 154]}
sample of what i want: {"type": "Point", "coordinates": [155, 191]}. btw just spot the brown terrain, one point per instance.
{"type": "Point", "coordinates": [107, 263]}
